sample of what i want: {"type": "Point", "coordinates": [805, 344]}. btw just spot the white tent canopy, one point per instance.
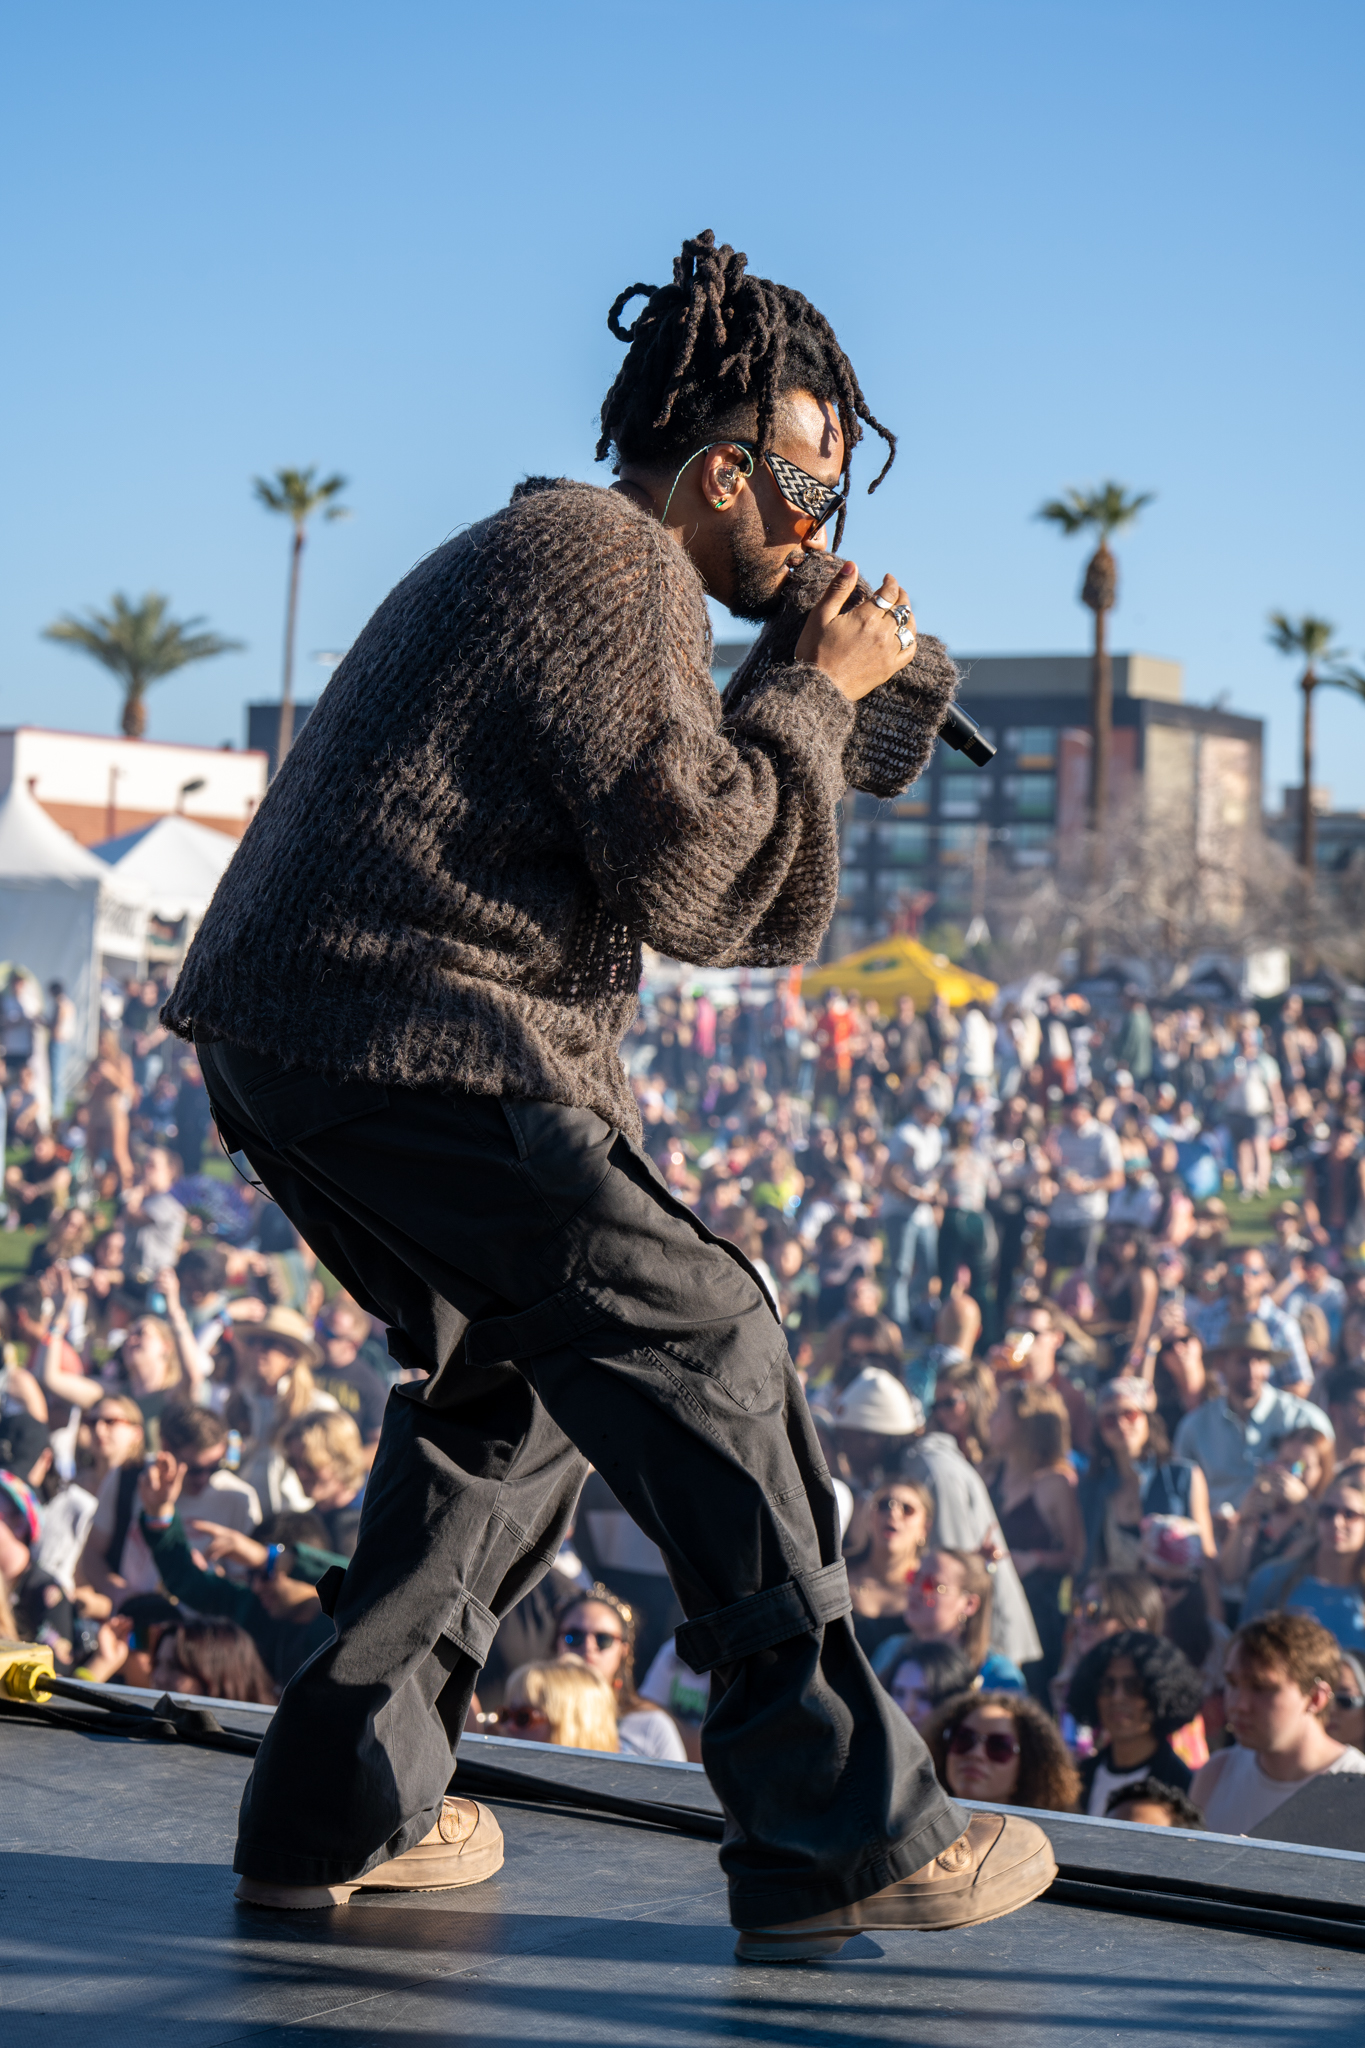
{"type": "Point", "coordinates": [175, 864]}
{"type": "Point", "coordinates": [60, 909]}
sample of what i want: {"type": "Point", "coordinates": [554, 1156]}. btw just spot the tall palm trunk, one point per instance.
{"type": "Point", "coordinates": [1102, 726]}
{"type": "Point", "coordinates": [1308, 824]}
{"type": "Point", "coordinates": [1099, 592]}
{"type": "Point", "coordinates": [285, 738]}
{"type": "Point", "coordinates": [134, 719]}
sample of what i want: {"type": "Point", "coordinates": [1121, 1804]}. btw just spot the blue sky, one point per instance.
{"type": "Point", "coordinates": [1060, 243]}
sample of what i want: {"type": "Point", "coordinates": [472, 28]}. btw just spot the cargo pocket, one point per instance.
{"type": "Point", "coordinates": [740, 1357]}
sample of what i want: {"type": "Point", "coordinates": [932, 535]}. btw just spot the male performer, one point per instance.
{"type": "Point", "coordinates": [408, 996]}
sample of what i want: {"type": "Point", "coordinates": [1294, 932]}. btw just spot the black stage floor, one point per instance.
{"type": "Point", "coordinates": [117, 1926]}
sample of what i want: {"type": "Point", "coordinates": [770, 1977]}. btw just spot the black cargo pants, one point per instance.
{"type": "Point", "coordinates": [569, 1310]}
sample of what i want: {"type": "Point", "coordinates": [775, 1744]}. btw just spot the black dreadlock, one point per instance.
{"type": "Point", "coordinates": [716, 343]}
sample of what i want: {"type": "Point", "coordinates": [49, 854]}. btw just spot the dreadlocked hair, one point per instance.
{"type": "Point", "coordinates": [712, 349]}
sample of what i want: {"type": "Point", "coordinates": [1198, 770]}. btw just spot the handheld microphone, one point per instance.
{"type": "Point", "coordinates": [960, 730]}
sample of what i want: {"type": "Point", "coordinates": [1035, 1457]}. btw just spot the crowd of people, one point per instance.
{"type": "Point", "coordinates": [1099, 1454]}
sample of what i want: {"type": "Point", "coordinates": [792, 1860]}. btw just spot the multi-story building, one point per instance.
{"type": "Point", "coordinates": [1339, 836]}
{"type": "Point", "coordinates": [98, 786]}
{"type": "Point", "coordinates": [928, 852]}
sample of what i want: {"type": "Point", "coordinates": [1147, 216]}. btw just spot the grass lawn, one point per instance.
{"type": "Point", "coordinates": [1251, 1220]}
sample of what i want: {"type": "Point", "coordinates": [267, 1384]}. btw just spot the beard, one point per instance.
{"type": "Point", "coordinates": [759, 587]}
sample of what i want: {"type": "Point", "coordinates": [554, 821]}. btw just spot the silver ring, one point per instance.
{"type": "Point", "coordinates": [906, 636]}
{"type": "Point", "coordinates": [883, 604]}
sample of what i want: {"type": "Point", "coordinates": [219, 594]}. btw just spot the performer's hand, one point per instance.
{"type": "Point", "coordinates": [858, 650]}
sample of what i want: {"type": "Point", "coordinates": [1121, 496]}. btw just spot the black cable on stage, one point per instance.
{"type": "Point", "coordinates": [1328, 1923]}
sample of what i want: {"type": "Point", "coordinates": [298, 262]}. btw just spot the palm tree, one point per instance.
{"type": "Point", "coordinates": [294, 493]}
{"type": "Point", "coordinates": [1310, 640]}
{"type": "Point", "coordinates": [1104, 511]}
{"type": "Point", "coordinates": [140, 644]}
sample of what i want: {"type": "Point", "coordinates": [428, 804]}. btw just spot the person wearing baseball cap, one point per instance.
{"type": "Point", "coordinates": [1229, 1436]}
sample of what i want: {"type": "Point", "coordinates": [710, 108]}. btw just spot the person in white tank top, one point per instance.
{"type": "Point", "coordinates": [1279, 1679]}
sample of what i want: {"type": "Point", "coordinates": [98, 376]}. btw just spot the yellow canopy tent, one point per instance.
{"type": "Point", "coordinates": [899, 967]}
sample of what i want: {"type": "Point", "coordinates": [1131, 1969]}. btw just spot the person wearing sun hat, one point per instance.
{"type": "Point", "coordinates": [274, 1387]}
{"type": "Point", "coordinates": [1230, 1435]}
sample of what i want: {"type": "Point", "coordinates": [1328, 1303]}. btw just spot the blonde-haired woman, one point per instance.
{"type": "Point", "coordinates": [563, 1702]}
{"type": "Point", "coordinates": [115, 1560]}
{"type": "Point", "coordinates": [327, 1458]}
{"type": "Point", "coordinates": [1033, 1486]}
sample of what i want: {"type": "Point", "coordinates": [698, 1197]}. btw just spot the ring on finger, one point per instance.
{"type": "Point", "coordinates": [906, 636]}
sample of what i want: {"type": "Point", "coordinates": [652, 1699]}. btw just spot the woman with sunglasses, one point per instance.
{"type": "Point", "coordinates": [949, 1600]}
{"type": "Point", "coordinates": [1136, 1690]}
{"type": "Point", "coordinates": [1001, 1747]}
{"type": "Point", "coordinates": [890, 1528]}
{"type": "Point", "coordinates": [114, 1561]}
{"type": "Point", "coordinates": [1326, 1578]}
{"type": "Point", "coordinates": [599, 1630]}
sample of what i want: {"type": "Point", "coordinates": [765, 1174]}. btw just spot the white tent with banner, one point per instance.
{"type": "Point", "coordinates": [61, 910]}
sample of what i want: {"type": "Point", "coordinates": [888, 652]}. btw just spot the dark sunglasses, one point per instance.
{"type": "Point", "coordinates": [1349, 1702]}
{"type": "Point", "coordinates": [205, 1471]}
{"type": "Point", "coordinates": [885, 1503]}
{"type": "Point", "coordinates": [518, 1717]}
{"type": "Point", "coordinates": [817, 503]}
{"type": "Point", "coordinates": [1120, 1688]}
{"type": "Point", "coordinates": [1327, 1513]}
{"type": "Point", "coordinates": [1000, 1749]}
{"type": "Point", "coordinates": [579, 1638]}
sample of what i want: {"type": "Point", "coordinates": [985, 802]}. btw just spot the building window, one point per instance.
{"type": "Point", "coordinates": [914, 804]}
{"type": "Point", "coordinates": [1033, 746]}
{"type": "Point", "coordinates": [957, 845]}
{"type": "Point", "coordinates": [853, 885]}
{"type": "Point", "coordinates": [1031, 796]}
{"type": "Point", "coordinates": [1030, 846]}
{"type": "Point", "coordinates": [904, 846]}
{"type": "Point", "coordinates": [858, 841]}
{"type": "Point", "coordinates": [959, 796]}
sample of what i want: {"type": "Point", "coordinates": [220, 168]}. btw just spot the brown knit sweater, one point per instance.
{"type": "Point", "coordinates": [519, 773]}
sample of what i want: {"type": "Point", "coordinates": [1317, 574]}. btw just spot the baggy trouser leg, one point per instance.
{"type": "Point", "coordinates": [829, 1792]}
{"type": "Point", "coordinates": [359, 1754]}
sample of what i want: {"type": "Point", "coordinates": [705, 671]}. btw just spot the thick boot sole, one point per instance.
{"type": "Point", "coordinates": [760, 1946]}
{"type": "Point", "coordinates": [292, 1898]}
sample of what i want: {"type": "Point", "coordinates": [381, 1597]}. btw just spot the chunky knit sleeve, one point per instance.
{"type": "Point", "coordinates": [894, 728]}
{"type": "Point", "coordinates": [712, 838]}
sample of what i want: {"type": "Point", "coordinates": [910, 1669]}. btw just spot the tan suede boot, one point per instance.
{"type": "Point", "coordinates": [999, 1864]}
{"type": "Point", "coordinates": [464, 1847]}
